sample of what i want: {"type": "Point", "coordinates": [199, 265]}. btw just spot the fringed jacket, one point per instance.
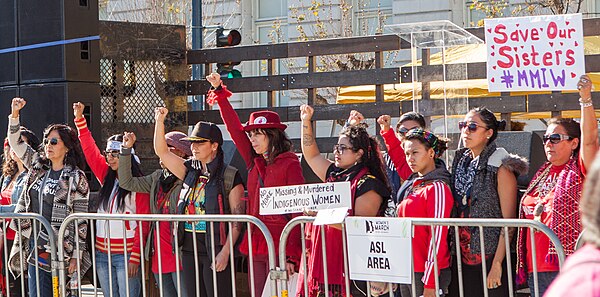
{"type": "Point", "coordinates": [72, 196]}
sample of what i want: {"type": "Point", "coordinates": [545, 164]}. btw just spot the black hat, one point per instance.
{"type": "Point", "coordinates": [205, 131]}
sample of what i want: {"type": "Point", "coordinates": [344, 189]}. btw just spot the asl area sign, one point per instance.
{"type": "Point", "coordinates": [534, 53]}
{"type": "Point", "coordinates": [380, 249]}
{"type": "Point", "coordinates": [293, 199]}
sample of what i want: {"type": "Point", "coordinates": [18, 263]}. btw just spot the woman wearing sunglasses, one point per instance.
{"type": "Point", "coordinates": [484, 182]}
{"type": "Point", "coordinates": [267, 151]}
{"type": "Point", "coordinates": [12, 183]}
{"type": "Point", "coordinates": [554, 192]}
{"type": "Point", "coordinates": [111, 235]}
{"type": "Point", "coordinates": [357, 160]}
{"type": "Point", "coordinates": [55, 188]}
{"type": "Point", "coordinates": [426, 194]}
{"type": "Point", "coordinates": [209, 187]}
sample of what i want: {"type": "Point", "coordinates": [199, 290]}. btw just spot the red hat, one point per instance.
{"type": "Point", "coordinates": [264, 120]}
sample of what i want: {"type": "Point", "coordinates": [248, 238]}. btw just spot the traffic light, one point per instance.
{"type": "Point", "coordinates": [226, 38]}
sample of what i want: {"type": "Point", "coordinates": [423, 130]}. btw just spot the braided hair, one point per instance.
{"type": "Point", "coordinates": [429, 140]}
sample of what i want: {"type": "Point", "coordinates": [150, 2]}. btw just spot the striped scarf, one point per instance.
{"type": "Point", "coordinates": [565, 221]}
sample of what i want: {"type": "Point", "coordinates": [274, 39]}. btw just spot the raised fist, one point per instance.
{"type": "Point", "coordinates": [78, 110]}
{"type": "Point", "coordinates": [306, 112]}
{"type": "Point", "coordinates": [385, 121]}
{"type": "Point", "coordinates": [214, 79]}
{"type": "Point", "coordinates": [128, 139]}
{"type": "Point", "coordinates": [16, 105]}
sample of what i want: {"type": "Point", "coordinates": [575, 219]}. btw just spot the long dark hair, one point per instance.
{"type": "Point", "coordinates": [111, 177]}
{"type": "Point", "coordinates": [371, 157]}
{"type": "Point", "coordinates": [279, 142]}
{"type": "Point", "coordinates": [74, 156]}
{"type": "Point", "coordinates": [220, 169]}
{"type": "Point", "coordinates": [10, 167]}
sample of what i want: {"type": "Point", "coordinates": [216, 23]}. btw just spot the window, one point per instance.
{"type": "Point", "coordinates": [272, 9]}
{"type": "Point", "coordinates": [271, 27]}
{"type": "Point", "coordinates": [370, 16]}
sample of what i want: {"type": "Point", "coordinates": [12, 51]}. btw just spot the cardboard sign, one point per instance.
{"type": "Point", "coordinates": [331, 216]}
{"type": "Point", "coordinates": [293, 199]}
{"type": "Point", "coordinates": [534, 53]}
{"type": "Point", "coordinates": [380, 249]}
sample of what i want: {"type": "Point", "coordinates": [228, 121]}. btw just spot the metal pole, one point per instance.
{"type": "Point", "coordinates": [197, 43]}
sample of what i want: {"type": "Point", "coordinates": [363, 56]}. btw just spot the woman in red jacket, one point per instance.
{"type": "Point", "coordinates": [357, 160]}
{"type": "Point", "coordinates": [427, 194]}
{"type": "Point", "coordinates": [113, 235]}
{"type": "Point", "coordinates": [267, 151]}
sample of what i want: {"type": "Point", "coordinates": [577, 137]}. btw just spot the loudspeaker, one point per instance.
{"type": "Point", "coordinates": [41, 21]}
{"type": "Point", "coordinates": [8, 39]}
{"type": "Point", "coordinates": [6, 95]}
{"type": "Point", "coordinates": [51, 103]}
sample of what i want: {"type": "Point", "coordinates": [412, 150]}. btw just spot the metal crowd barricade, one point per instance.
{"type": "Point", "coordinates": [505, 224]}
{"type": "Point", "coordinates": [38, 223]}
{"type": "Point", "coordinates": [156, 219]}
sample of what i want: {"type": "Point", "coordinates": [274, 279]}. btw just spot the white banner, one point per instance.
{"type": "Point", "coordinates": [380, 249]}
{"type": "Point", "coordinates": [292, 199]}
{"type": "Point", "coordinates": [534, 53]}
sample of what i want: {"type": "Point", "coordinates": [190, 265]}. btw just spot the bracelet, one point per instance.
{"type": "Point", "coordinates": [586, 104]}
{"type": "Point", "coordinates": [582, 101]}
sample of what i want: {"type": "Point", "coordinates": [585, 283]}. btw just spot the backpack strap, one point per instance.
{"type": "Point", "coordinates": [228, 179]}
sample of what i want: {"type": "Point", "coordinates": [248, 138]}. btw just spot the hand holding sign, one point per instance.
{"type": "Point", "coordinates": [585, 88]}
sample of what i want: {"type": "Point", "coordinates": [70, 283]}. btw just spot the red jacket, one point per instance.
{"type": "Point", "coordinates": [396, 153]}
{"type": "Point", "coordinates": [99, 167]}
{"type": "Point", "coordinates": [432, 199]}
{"type": "Point", "coordinates": [284, 171]}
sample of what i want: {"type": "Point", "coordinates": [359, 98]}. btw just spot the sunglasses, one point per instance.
{"type": "Point", "coordinates": [52, 141]}
{"type": "Point", "coordinates": [114, 154]}
{"type": "Point", "coordinates": [340, 148]}
{"type": "Point", "coordinates": [556, 138]}
{"type": "Point", "coordinates": [472, 126]}
{"type": "Point", "coordinates": [403, 130]}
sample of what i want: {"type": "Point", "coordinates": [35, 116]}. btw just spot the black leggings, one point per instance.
{"type": "Point", "coordinates": [205, 279]}
{"type": "Point", "coordinates": [473, 280]}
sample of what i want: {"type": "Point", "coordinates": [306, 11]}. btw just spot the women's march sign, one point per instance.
{"type": "Point", "coordinates": [534, 53]}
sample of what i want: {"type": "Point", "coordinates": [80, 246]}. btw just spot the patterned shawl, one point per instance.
{"type": "Point", "coordinates": [72, 196]}
{"type": "Point", "coordinates": [565, 221]}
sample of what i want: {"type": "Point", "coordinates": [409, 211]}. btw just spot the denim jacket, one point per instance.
{"type": "Point", "coordinates": [17, 190]}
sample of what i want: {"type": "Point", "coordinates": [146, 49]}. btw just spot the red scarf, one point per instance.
{"type": "Point", "coordinates": [333, 242]}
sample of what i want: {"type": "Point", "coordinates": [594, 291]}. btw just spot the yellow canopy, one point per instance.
{"type": "Point", "coordinates": [473, 88]}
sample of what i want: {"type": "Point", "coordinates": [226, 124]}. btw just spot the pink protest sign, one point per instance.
{"type": "Point", "coordinates": [534, 53]}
